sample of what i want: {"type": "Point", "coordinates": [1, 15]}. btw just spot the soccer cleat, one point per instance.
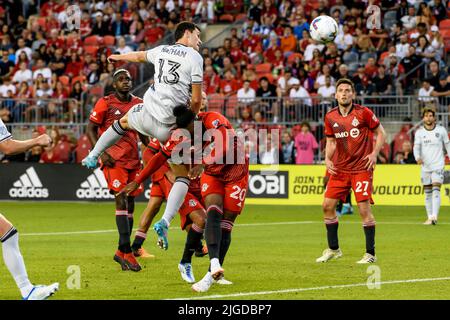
{"type": "Point", "coordinates": [434, 222]}
{"type": "Point", "coordinates": [142, 253]}
{"type": "Point", "coordinates": [429, 222]}
{"type": "Point", "coordinates": [223, 281]}
{"type": "Point", "coordinates": [204, 284]}
{"type": "Point", "coordinates": [130, 261]}
{"type": "Point", "coordinates": [347, 209]}
{"type": "Point", "coordinates": [186, 272]}
{"type": "Point", "coordinates": [90, 162]}
{"type": "Point", "coordinates": [329, 254]}
{"type": "Point", "coordinates": [41, 292]}
{"type": "Point", "coordinates": [161, 229]}
{"type": "Point", "coordinates": [217, 273]}
{"type": "Point", "coordinates": [118, 257]}
{"type": "Point", "coordinates": [201, 253]}
{"type": "Point", "coordinates": [367, 258]}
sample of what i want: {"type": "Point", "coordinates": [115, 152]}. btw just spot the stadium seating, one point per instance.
{"type": "Point", "coordinates": [83, 147]}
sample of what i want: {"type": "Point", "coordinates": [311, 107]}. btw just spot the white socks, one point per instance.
{"type": "Point", "coordinates": [113, 134]}
{"type": "Point", "coordinates": [14, 262]}
{"type": "Point", "coordinates": [429, 202]}
{"type": "Point", "coordinates": [436, 201]}
{"type": "Point", "coordinates": [176, 198]}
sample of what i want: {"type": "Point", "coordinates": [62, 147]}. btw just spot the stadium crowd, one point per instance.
{"type": "Point", "coordinates": [269, 74]}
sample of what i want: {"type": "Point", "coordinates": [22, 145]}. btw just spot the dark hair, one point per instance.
{"type": "Point", "coordinates": [184, 116]}
{"type": "Point", "coordinates": [182, 27]}
{"type": "Point", "coordinates": [345, 81]}
{"type": "Point", "coordinates": [426, 110]}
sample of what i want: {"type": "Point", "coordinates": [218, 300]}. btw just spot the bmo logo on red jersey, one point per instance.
{"type": "Point", "coordinates": [268, 185]}
{"type": "Point", "coordinates": [354, 133]}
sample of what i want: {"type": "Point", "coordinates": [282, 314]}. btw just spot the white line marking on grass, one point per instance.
{"type": "Point", "coordinates": [261, 293]}
{"type": "Point", "coordinates": [237, 225]}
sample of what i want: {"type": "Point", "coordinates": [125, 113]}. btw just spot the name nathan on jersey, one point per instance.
{"type": "Point", "coordinates": [175, 51]}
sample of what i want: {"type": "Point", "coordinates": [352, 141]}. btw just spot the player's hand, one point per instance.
{"type": "Point", "coordinates": [420, 161]}
{"type": "Point", "coordinates": [129, 188]}
{"type": "Point", "coordinates": [113, 58]}
{"type": "Point", "coordinates": [196, 171]}
{"type": "Point", "coordinates": [107, 160]}
{"type": "Point", "coordinates": [371, 161]}
{"type": "Point", "coordinates": [44, 140]}
{"type": "Point", "coordinates": [330, 167]}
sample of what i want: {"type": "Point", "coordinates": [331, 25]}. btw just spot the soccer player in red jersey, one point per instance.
{"type": "Point", "coordinates": [120, 163]}
{"type": "Point", "coordinates": [192, 212]}
{"type": "Point", "coordinates": [224, 185]}
{"type": "Point", "coordinates": [349, 129]}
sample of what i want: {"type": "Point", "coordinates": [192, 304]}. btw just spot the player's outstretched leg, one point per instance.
{"type": "Point", "coordinates": [332, 224]}
{"type": "Point", "coordinates": [113, 134]}
{"type": "Point", "coordinates": [9, 237]}
{"type": "Point", "coordinates": [174, 202]}
{"type": "Point", "coordinates": [213, 239]}
{"type": "Point", "coordinates": [194, 236]}
{"type": "Point", "coordinates": [226, 226]}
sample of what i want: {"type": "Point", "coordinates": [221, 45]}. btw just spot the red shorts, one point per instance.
{"type": "Point", "coordinates": [233, 192]}
{"type": "Point", "coordinates": [339, 186]}
{"type": "Point", "coordinates": [161, 189]}
{"type": "Point", "coordinates": [118, 178]}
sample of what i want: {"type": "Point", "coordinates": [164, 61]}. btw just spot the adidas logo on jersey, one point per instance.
{"type": "Point", "coordinates": [335, 125]}
{"type": "Point", "coordinates": [28, 186]}
{"type": "Point", "coordinates": [117, 112]}
{"type": "Point", "coordinates": [95, 187]}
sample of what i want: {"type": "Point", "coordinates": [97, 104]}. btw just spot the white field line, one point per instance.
{"type": "Point", "coordinates": [261, 293]}
{"type": "Point", "coordinates": [237, 225]}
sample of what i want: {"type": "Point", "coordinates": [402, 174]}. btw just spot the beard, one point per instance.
{"type": "Point", "coordinates": [345, 105]}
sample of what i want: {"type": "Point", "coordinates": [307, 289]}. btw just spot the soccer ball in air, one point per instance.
{"type": "Point", "coordinates": [323, 29]}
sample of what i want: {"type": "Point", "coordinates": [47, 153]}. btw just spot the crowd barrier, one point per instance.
{"type": "Point", "coordinates": [397, 185]}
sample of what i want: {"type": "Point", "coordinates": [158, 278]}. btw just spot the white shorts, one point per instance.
{"type": "Point", "coordinates": [140, 120]}
{"type": "Point", "coordinates": [430, 177]}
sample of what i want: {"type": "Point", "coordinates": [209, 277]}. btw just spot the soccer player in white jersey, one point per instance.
{"type": "Point", "coordinates": [429, 144]}
{"type": "Point", "coordinates": [9, 237]}
{"type": "Point", "coordinates": [177, 81]}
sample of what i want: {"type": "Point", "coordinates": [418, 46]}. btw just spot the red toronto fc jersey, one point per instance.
{"type": "Point", "coordinates": [106, 111]}
{"type": "Point", "coordinates": [354, 137]}
{"type": "Point", "coordinates": [227, 172]}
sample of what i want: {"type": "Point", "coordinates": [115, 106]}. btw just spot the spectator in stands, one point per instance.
{"type": "Point", "coordinates": [211, 80]}
{"type": "Point", "coordinates": [382, 82]}
{"type": "Point", "coordinates": [442, 91]}
{"type": "Point", "coordinates": [246, 95]}
{"type": "Point", "coordinates": [344, 39]}
{"type": "Point", "coordinates": [305, 145]}
{"type": "Point", "coordinates": [325, 72]}
{"type": "Point", "coordinates": [23, 48]}
{"type": "Point", "coordinates": [402, 48]}
{"type": "Point", "coordinates": [267, 92]}
{"type": "Point", "coordinates": [363, 42]}
{"type": "Point", "coordinates": [424, 15]}
{"type": "Point", "coordinates": [371, 68]}
{"type": "Point", "coordinates": [254, 12]}
{"type": "Point", "coordinates": [119, 27]}
{"type": "Point", "coordinates": [23, 74]}
{"type": "Point", "coordinates": [288, 150]}
{"type": "Point", "coordinates": [7, 86]}
{"type": "Point", "coordinates": [41, 69]}
{"type": "Point", "coordinates": [409, 21]}
{"type": "Point", "coordinates": [228, 66]}
{"type": "Point", "coordinates": [300, 93]}
{"type": "Point", "coordinates": [327, 93]}
{"type": "Point", "coordinates": [245, 117]}
{"type": "Point", "coordinates": [438, 10]}
{"type": "Point", "coordinates": [363, 84]}
{"type": "Point", "coordinates": [269, 151]}
{"type": "Point", "coordinates": [285, 83]}
{"type": "Point", "coordinates": [437, 42]}
{"type": "Point", "coordinates": [424, 95]}
{"type": "Point", "coordinates": [421, 30]}
{"type": "Point", "coordinates": [288, 42]}
{"type": "Point", "coordinates": [229, 85]}
{"type": "Point", "coordinates": [34, 154]}
{"type": "Point", "coordinates": [22, 102]}
{"type": "Point", "coordinates": [342, 72]}
{"type": "Point", "coordinates": [406, 155]}
{"type": "Point", "coordinates": [75, 103]}
{"type": "Point", "coordinates": [100, 27]}
{"type": "Point", "coordinates": [6, 65]}
{"type": "Point", "coordinates": [308, 54]}
{"type": "Point", "coordinates": [58, 62]}
{"type": "Point", "coordinates": [94, 73]}
{"type": "Point", "coordinates": [269, 10]}
{"type": "Point", "coordinates": [122, 47]}
{"type": "Point", "coordinates": [205, 11]}
{"type": "Point", "coordinates": [395, 70]}
{"type": "Point", "coordinates": [434, 73]}
{"type": "Point", "coordinates": [425, 50]}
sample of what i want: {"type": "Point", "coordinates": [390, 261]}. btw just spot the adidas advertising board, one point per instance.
{"type": "Point", "coordinates": [28, 186]}
{"type": "Point", "coordinates": [94, 187]}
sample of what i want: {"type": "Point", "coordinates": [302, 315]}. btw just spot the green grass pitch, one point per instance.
{"type": "Point", "coordinates": [273, 249]}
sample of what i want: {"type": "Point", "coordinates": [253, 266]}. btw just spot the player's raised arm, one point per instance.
{"type": "Point", "coordinates": [135, 56]}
